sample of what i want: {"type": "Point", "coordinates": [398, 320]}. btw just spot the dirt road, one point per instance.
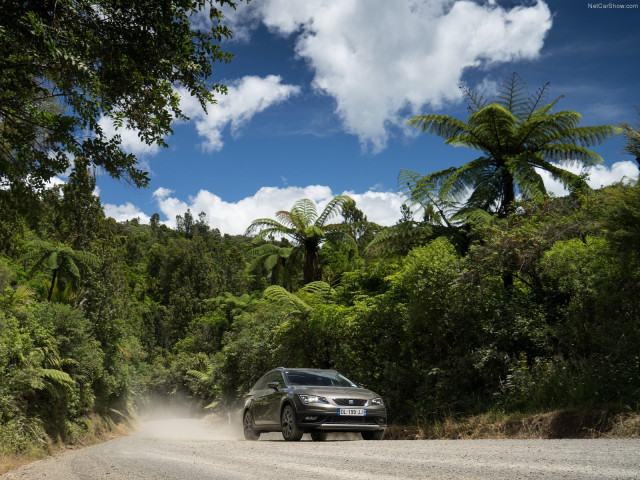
{"type": "Point", "coordinates": [192, 449]}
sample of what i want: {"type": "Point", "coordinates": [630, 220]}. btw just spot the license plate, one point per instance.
{"type": "Point", "coordinates": [352, 412]}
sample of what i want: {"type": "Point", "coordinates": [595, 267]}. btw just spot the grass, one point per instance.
{"type": "Point", "coordinates": [97, 429]}
{"type": "Point", "coordinates": [569, 423]}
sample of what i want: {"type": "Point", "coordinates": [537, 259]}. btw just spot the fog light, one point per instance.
{"type": "Point", "coordinates": [310, 418]}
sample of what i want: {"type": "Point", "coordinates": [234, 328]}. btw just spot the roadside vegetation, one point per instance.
{"type": "Point", "coordinates": [487, 299]}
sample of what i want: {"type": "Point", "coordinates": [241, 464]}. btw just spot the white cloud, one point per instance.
{"type": "Point", "coordinates": [382, 208]}
{"type": "Point", "coordinates": [162, 192]}
{"type": "Point", "coordinates": [245, 98]}
{"type": "Point", "coordinates": [234, 218]}
{"type": "Point", "coordinates": [131, 142]}
{"type": "Point", "coordinates": [379, 207]}
{"type": "Point", "coordinates": [54, 182]}
{"type": "Point", "coordinates": [599, 176]}
{"type": "Point", "coordinates": [128, 211]}
{"type": "Point", "coordinates": [380, 59]}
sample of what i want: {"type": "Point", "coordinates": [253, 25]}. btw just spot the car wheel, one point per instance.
{"type": "Point", "coordinates": [290, 430]}
{"type": "Point", "coordinates": [247, 423]}
{"type": "Point", "coordinates": [375, 435]}
{"type": "Point", "coordinates": [318, 436]}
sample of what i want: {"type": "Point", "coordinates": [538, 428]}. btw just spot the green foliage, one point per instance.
{"type": "Point", "coordinates": [48, 362]}
{"type": "Point", "coordinates": [63, 261]}
{"type": "Point", "coordinates": [188, 316]}
{"type": "Point", "coordinates": [622, 222]}
{"type": "Point", "coordinates": [67, 64]}
{"type": "Point", "coordinates": [632, 135]}
{"type": "Point", "coordinates": [516, 135]}
{"type": "Point", "coordinates": [307, 229]}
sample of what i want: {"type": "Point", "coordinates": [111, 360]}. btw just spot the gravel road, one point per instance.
{"type": "Point", "coordinates": [192, 449]}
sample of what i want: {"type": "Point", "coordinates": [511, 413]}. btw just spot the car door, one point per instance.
{"type": "Point", "coordinates": [257, 405]}
{"type": "Point", "coordinates": [272, 399]}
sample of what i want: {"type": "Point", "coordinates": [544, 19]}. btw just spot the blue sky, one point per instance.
{"type": "Point", "coordinates": [320, 91]}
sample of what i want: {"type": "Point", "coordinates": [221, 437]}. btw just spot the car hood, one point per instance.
{"type": "Point", "coordinates": [336, 392]}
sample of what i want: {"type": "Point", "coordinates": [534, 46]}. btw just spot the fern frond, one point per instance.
{"type": "Point", "coordinates": [441, 125]}
{"type": "Point", "coordinates": [265, 223]}
{"type": "Point", "coordinates": [474, 216]}
{"type": "Point", "coordinates": [317, 288]}
{"type": "Point", "coordinates": [56, 376]}
{"type": "Point", "coordinates": [312, 231]}
{"type": "Point", "coordinates": [529, 181]}
{"type": "Point", "coordinates": [474, 99]}
{"type": "Point", "coordinates": [87, 259]}
{"type": "Point", "coordinates": [200, 376]}
{"type": "Point", "coordinates": [333, 208]}
{"type": "Point", "coordinates": [305, 212]}
{"type": "Point", "coordinates": [513, 95]}
{"type": "Point", "coordinates": [52, 260]}
{"type": "Point", "coordinates": [282, 297]}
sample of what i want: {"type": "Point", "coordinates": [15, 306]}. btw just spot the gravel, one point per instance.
{"type": "Point", "coordinates": [193, 449]}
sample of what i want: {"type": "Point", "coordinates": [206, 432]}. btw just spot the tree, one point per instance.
{"type": "Point", "coordinates": [361, 228]}
{"type": "Point", "coordinates": [63, 261]}
{"type": "Point", "coordinates": [516, 135]}
{"type": "Point", "coordinates": [633, 140]}
{"type": "Point", "coordinates": [307, 229]}
{"type": "Point", "coordinates": [66, 64]}
{"type": "Point", "coordinates": [82, 210]}
{"type": "Point", "coordinates": [274, 260]}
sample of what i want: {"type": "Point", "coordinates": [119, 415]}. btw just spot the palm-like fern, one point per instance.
{"type": "Point", "coordinates": [300, 303]}
{"type": "Point", "coordinates": [633, 140]}
{"type": "Point", "coordinates": [516, 134]}
{"type": "Point", "coordinates": [63, 261]}
{"type": "Point", "coordinates": [307, 229]}
{"type": "Point", "coordinates": [278, 262]}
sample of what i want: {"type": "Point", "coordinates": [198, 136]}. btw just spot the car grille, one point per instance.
{"type": "Point", "coordinates": [350, 402]}
{"type": "Point", "coordinates": [340, 420]}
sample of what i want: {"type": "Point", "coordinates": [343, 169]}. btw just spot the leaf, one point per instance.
{"type": "Point", "coordinates": [282, 297]}
{"type": "Point", "coordinates": [56, 376]}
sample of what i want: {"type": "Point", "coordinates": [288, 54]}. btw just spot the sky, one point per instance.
{"type": "Point", "coordinates": [320, 92]}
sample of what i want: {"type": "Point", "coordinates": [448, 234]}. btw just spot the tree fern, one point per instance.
{"type": "Point", "coordinates": [63, 261]}
{"type": "Point", "coordinates": [516, 134]}
{"type": "Point", "coordinates": [292, 303]}
{"type": "Point", "coordinates": [57, 376]}
{"type": "Point", "coordinates": [513, 95]}
{"type": "Point", "coordinates": [305, 228]}
{"type": "Point", "coordinates": [632, 147]}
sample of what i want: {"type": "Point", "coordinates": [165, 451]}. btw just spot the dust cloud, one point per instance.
{"type": "Point", "coordinates": [191, 429]}
{"type": "Point", "coordinates": [182, 419]}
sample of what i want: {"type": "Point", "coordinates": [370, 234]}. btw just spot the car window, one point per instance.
{"type": "Point", "coordinates": [262, 383]}
{"type": "Point", "coordinates": [318, 378]}
{"type": "Point", "coordinates": [275, 377]}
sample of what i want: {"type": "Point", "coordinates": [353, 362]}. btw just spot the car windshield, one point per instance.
{"type": "Point", "coordinates": [318, 378]}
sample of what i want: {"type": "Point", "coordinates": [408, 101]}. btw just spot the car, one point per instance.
{"type": "Point", "coordinates": [296, 401]}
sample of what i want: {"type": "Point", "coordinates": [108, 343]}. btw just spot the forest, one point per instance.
{"type": "Point", "coordinates": [488, 294]}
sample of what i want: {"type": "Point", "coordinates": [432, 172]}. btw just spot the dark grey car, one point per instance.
{"type": "Point", "coordinates": [295, 401]}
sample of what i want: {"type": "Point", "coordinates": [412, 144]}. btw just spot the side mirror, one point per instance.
{"type": "Point", "coordinates": [273, 385]}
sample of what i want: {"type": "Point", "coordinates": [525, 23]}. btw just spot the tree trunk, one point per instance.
{"type": "Point", "coordinates": [309, 270]}
{"type": "Point", "coordinates": [508, 192]}
{"type": "Point", "coordinates": [53, 284]}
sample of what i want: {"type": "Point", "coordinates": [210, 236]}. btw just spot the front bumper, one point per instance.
{"type": "Point", "coordinates": [327, 419]}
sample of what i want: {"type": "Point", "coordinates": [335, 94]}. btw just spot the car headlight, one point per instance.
{"type": "Point", "coordinates": [377, 401]}
{"type": "Point", "coordinates": [307, 399]}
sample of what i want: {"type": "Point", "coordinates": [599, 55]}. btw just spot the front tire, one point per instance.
{"type": "Point", "coordinates": [290, 430]}
{"type": "Point", "coordinates": [375, 435]}
{"type": "Point", "coordinates": [247, 423]}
